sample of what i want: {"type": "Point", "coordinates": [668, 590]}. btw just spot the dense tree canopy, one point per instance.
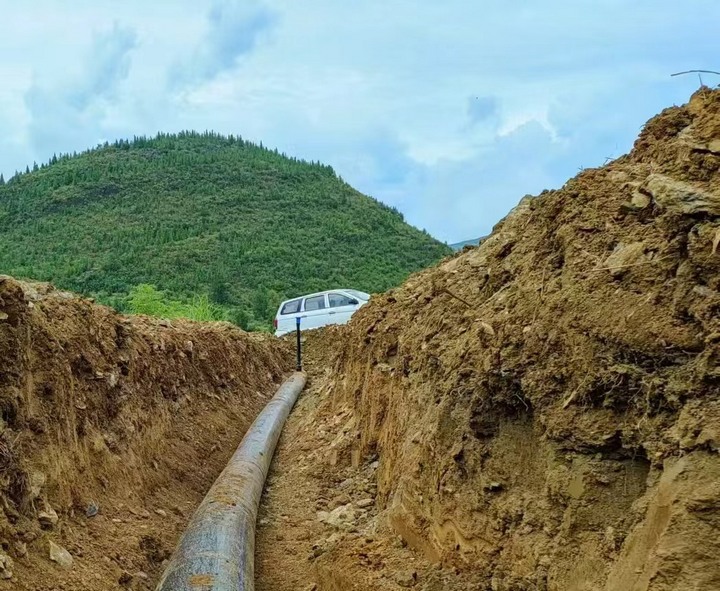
{"type": "Point", "coordinates": [202, 215]}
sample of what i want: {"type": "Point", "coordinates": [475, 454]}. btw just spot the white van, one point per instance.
{"type": "Point", "coordinates": [335, 306]}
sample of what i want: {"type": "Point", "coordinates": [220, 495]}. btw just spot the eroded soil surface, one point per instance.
{"type": "Point", "coordinates": [319, 499]}
{"type": "Point", "coordinates": [112, 430]}
{"type": "Point", "coordinates": [539, 413]}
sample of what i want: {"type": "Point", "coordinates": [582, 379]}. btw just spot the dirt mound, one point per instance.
{"type": "Point", "coordinates": [544, 409]}
{"type": "Point", "coordinates": [112, 430]}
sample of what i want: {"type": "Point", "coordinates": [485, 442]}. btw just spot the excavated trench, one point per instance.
{"type": "Point", "coordinates": [112, 431]}
{"type": "Point", "coordinates": [217, 550]}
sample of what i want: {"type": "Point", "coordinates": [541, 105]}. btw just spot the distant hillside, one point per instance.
{"type": "Point", "coordinates": [461, 245]}
{"type": "Point", "coordinates": [202, 214]}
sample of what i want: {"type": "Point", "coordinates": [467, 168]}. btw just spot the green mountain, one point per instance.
{"type": "Point", "coordinates": [202, 215]}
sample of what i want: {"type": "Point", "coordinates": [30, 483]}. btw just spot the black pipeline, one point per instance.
{"type": "Point", "coordinates": [217, 551]}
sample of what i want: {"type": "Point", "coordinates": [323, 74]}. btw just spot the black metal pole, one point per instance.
{"type": "Point", "coordinates": [299, 346]}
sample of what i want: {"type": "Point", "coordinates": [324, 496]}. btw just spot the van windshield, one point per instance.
{"type": "Point", "coordinates": [291, 307]}
{"type": "Point", "coordinates": [361, 295]}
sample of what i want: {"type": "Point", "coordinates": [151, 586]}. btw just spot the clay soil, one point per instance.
{"type": "Point", "coordinates": [320, 498]}
{"type": "Point", "coordinates": [539, 413]}
{"type": "Point", "coordinates": [112, 430]}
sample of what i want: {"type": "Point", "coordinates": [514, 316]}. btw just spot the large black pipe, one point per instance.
{"type": "Point", "coordinates": [217, 551]}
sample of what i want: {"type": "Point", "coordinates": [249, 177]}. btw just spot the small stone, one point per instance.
{"type": "Point", "coordinates": [342, 517]}
{"type": "Point", "coordinates": [3, 316]}
{"type": "Point", "coordinates": [345, 484]}
{"type": "Point", "coordinates": [341, 499]}
{"type": "Point", "coordinates": [640, 200]}
{"type": "Point", "coordinates": [365, 503]}
{"type": "Point", "coordinates": [142, 575]}
{"type": "Point", "coordinates": [48, 518]}
{"type": "Point", "coordinates": [60, 555]}
{"type": "Point", "coordinates": [35, 485]}
{"type": "Point", "coordinates": [20, 549]}
{"type": "Point", "coordinates": [161, 513]}
{"type": "Point", "coordinates": [28, 536]}
{"type": "Point", "coordinates": [406, 578]}
{"type": "Point", "coordinates": [624, 257]}
{"type": "Point", "coordinates": [6, 565]}
{"type": "Point", "coordinates": [92, 509]}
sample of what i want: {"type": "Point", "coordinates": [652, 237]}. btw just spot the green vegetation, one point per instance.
{"type": "Point", "coordinates": [209, 220]}
{"type": "Point", "coordinates": [147, 299]}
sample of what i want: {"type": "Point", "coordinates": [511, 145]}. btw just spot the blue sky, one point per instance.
{"type": "Point", "coordinates": [450, 111]}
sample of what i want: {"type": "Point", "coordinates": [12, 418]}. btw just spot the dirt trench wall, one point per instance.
{"type": "Point", "coordinates": [97, 408]}
{"type": "Point", "coordinates": [546, 407]}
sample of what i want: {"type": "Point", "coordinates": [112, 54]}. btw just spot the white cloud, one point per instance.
{"type": "Point", "coordinates": [383, 90]}
{"type": "Point", "coordinates": [233, 29]}
{"type": "Point", "coordinates": [70, 113]}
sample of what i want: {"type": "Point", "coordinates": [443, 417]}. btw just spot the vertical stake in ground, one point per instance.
{"type": "Point", "coordinates": [299, 346]}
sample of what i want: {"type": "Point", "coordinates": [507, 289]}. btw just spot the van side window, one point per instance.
{"type": "Point", "coordinates": [315, 303]}
{"type": "Point", "coordinates": [338, 299]}
{"type": "Point", "coordinates": [291, 307]}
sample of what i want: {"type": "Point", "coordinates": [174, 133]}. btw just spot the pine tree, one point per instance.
{"type": "Point", "coordinates": [2, 179]}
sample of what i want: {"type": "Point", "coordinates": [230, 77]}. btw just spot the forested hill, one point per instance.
{"type": "Point", "coordinates": [202, 214]}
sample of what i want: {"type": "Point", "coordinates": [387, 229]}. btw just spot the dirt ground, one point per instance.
{"type": "Point", "coordinates": [319, 499]}
{"type": "Point", "coordinates": [539, 413]}
{"type": "Point", "coordinates": [112, 430]}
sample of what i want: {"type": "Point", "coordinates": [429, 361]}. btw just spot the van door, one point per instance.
{"type": "Point", "coordinates": [341, 308]}
{"type": "Point", "coordinates": [315, 312]}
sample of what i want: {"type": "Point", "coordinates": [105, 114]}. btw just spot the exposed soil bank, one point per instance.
{"type": "Point", "coordinates": [538, 413]}
{"type": "Point", "coordinates": [129, 418]}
